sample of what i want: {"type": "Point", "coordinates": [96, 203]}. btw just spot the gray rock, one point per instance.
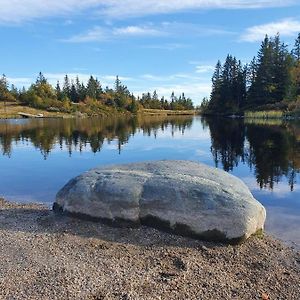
{"type": "Point", "coordinates": [183, 197]}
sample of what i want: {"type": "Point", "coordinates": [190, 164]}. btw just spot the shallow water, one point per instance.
{"type": "Point", "coordinates": [38, 156]}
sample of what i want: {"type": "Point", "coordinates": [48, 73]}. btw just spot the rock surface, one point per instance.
{"type": "Point", "coordinates": [183, 197]}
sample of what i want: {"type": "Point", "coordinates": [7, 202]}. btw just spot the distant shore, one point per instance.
{"type": "Point", "coordinates": [54, 257]}
{"type": "Point", "coordinates": [13, 110]}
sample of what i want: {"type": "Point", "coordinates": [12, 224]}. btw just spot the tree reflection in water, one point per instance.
{"type": "Point", "coordinates": [271, 149]}
{"type": "Point", "coordinates": [77, 134]}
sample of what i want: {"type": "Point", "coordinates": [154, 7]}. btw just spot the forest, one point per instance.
{"type": "Point", "coordinates": [90, 98]}
{"type": "Point", "coordinates": [270, 82]}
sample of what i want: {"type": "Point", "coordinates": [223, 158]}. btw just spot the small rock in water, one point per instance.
{"type": "Point", "coordinates": [183, 197]}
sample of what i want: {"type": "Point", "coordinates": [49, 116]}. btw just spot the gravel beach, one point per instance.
{"type": "Point", "coordinates": [47, 256]}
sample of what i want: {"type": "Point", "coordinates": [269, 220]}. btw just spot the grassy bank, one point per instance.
{"type": "Point", "coordinates": [167, 112]}
{"type": "Point", "coordinates": [272, 114]}
{"type": "Point", "coordinates": [12, 109]}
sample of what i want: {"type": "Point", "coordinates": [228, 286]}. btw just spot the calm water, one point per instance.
{"type": "Point", "coordinates": [39, 156]}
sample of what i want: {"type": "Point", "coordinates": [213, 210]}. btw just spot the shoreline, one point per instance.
{"type": "Point", "coordinates": [48, 256]}
{"type": "Point", "coordinates": [15, 111]}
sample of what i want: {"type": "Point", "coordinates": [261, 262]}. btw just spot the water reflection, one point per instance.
{"type": "Point", "coordinates": [270, 149]}
{"type": "Point", "coordinates": [76, 134]}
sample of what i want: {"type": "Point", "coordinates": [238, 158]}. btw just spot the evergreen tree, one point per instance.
{"type": "Point", "coordinates": [82, 91]}
{"type": "Point", "coordinates": [58, 91]}
{"type": "Point", "coordinates": [296, 49]}
{"type": "Point", "coordinates": [293, 92]}
{"type": "Point", "coordinates": [66, 87]}
{"type": "Point", "coordinates": [93, 89]}
{"type": "Point", "coordinates": [251, 72]}
{"type": "Point", "coordinates": [5, 94]}
{"type": "Point", "coordinates": [118, 85]}
{"type": "Point", "coordinates": [74, 97]}
{"type": "Point", "coordinates": [272, 75]}
{"type": "Point", "coordinates": [41, 79]}
{"type": "Point", "coordinates": [215, 97]}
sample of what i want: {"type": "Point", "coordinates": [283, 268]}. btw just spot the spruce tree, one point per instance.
{"type": "Point", "coordinates": [296, 49]}
{"type": "Point", "coordinates": [215, 96]}
{"type": "Point", "coordinates": [58, 91]}
{"type": "Point", "coordinates": [66, 87]}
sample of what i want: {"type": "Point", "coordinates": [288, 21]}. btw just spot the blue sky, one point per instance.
{"type": "Point", "coordinates": [167, 45]}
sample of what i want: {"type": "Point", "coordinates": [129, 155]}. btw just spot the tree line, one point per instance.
{"type": "Point", "coordinates": [270, 81]}
{"type": "Point", "coordinates": [75, 95]}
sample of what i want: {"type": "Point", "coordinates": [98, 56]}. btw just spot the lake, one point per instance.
{"type": "Point", "coordinates": [38, 156]}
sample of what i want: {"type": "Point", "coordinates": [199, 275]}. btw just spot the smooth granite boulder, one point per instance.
{"type": "Point", "coordinates": [183, 197]}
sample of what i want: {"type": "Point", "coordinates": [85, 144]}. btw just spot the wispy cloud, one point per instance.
{"type": "Point", "coordinates": [204, 68]}
{"type": "Point", "coordinates": [137, 31]}
{"type": "Point", "coordinates": [191, 84]}
{"type": "Point", "coordinates": [132, 8]}
{"type": "Point", "coordinates": [109, 33]}
{"type": "Point", "coordinates": [163, 29]}
{"type": "Point", "coordinates": [178, 76]}
{"type": "Point", "coordinates": [16, 11]}
{"type": "Point", "coordinates": [94, 34]}
{"type": "Point", "coordinates": [19, 81]}
{"type": "Point", "coordinates": [286, 27]}
{"type": "Point", "coordinates": [196, 90]}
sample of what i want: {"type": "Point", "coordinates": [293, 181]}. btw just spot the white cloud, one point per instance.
{"type": "Point", "coordinates": [286, 27]}
{"type": "Point", "coordinates": [19, 81]}
{"type": "Point", "coordinates": [125, 8]}
{"type": "Point", "coordinates": [94, 34]}
{"type": "Point", "coordinates": [108, 33]}
{"type": "Point", "coordinates": [196, 90]}
{"type": "Point", "coordinates": [136, 31]}
{"type": "Point", "coordinates": [113, 78]}
{"type": "Point", "coordinates": [16, 11]}
{"type": "Point", "coordinates": [162, 29]}
{"type": "Point", "coordinates": [204, 68]}
{"type": "Point", "coordinates": [178, 76]}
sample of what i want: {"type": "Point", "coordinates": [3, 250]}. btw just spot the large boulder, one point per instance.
{"type": "Point", "coordinates": [183, 197]}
